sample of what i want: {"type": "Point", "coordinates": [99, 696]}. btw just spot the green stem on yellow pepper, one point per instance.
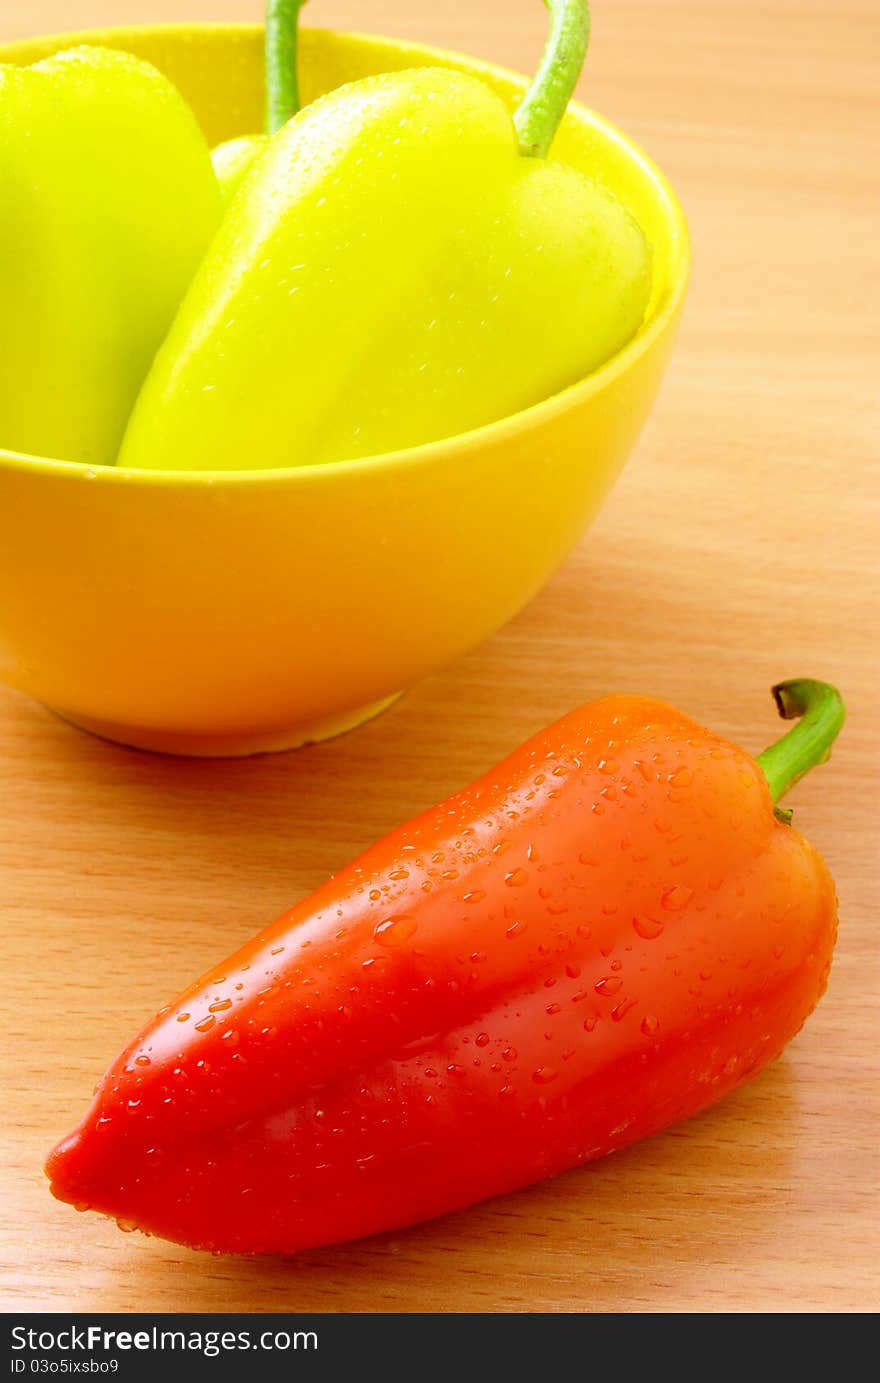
{"type": "Point", "coordinates": [545, 102]}
{"type": "Point", "coordinates": [540, 111]}
{"type": "Point", "coordinates": [821, 711]}
{"type": "Point", "coordinates": [282, 85]}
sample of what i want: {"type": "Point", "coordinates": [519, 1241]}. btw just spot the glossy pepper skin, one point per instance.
{"type": "Point", "coordinates": [107, 203]}
{"type": "Point", "coordinates": [392, 270]}
{"type": "Point", "coordinates": [233, 159]}
{"type": "Point", "coordinates": [607, 932]}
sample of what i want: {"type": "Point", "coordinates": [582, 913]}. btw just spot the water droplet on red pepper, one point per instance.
{"type": "Point", "coordinates": [395, 931]}
{"type": "Point", "coordinates": [608, 986]}
{"type": "Point", "coordinates": [622, 1009]}
{"type": "Point", "coordinates": [647, 927]}
{"type": "Point", "coordinates": [676, 897]}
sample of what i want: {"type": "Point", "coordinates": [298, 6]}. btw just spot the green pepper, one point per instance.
{"type": "Point", "coordinates": [107, 203]}
{"type": "Point", "coordinates": [403, 263]}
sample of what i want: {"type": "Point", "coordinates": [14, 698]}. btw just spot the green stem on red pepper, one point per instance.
{"type": "Point", "coordinates": [282, 85]}
{"type": "Point", "coordinates": [820, 712]}
{"type": "Point", "coordinates": [545, 102]}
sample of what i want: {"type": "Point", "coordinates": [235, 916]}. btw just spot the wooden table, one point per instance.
{"type": "Point", "coordinates": [738, 548]}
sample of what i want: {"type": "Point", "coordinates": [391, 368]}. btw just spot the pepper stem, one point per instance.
{"type": "Point", "coordinates": [282, 85]}
{"type": "Point", "coordinates": [544, 104]}
{"type": "Point", "coordinates": [821, 714]}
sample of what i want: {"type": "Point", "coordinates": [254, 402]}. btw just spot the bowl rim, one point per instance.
{"type": "Point", "coordinates": [462, 443]}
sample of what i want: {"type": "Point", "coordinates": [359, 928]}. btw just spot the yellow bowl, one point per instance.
{"type": "Point", "coordinates": [239, 612]}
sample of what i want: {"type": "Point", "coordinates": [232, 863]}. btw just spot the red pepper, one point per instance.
{"type": "Point", "coordinates": [606, 933]}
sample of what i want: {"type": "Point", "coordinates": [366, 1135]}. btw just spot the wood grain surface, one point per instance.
{"type": "Point", "coordinates": [738, 548]}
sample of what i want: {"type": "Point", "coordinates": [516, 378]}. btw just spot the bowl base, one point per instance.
{"type": "Point", "coordinates": [234, 746]}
